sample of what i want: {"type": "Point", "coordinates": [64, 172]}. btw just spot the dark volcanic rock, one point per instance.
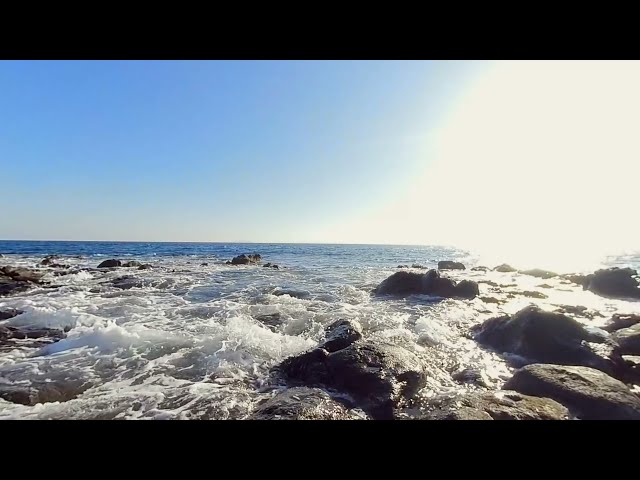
{"type": "Point", "coordinates": [541, 336]}
{"type": "Point", "coordinates": [491, 300]}
{"type": "Point", "coordinates": [450, 265]}
{"type": "Point", "coordinates": [590, 394]}
{"type": "Point", "coordinates": [614, 282]}
{"type": "Point", "coordinates": [577, 279]}
{"type": "Point", "coordinates": [9, 313]}
{"type": "Point", "coordinates": [500, 405]}
{"type": "Point", "coordinates": [627, 340]}
{"type": "Point", "coordinates": [619, 321]}
{"type": "Point", "coordinates": [474, 376]}
{"type": "Point", "coordinates": [430, 283]}
{"type": "Point", "coordinates": [505, 268]}
{"type": "Point", "coordinates": [245, 259]}
{"type": "Point", "coordinates": [376, 376]}
{"type": "Point", "coordinates": [302, 403]}
{"type": "Point", "coordinates": [110, 264]}
{"type": "Point", "coordinates": [341, 334]}
{"type": "Point", "coordinates": [271, 265]}
{"type": "Point", "coordinates": [578, 310]}
{"type": "Point", "coordinates": [536, 272]}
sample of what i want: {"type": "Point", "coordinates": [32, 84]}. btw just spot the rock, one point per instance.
{"type": "Point", "coordinates": [578, 279]}
{"type": "Point", "coordinates": [8, 313]}
{"type": "Point", "coordinates": [619, 321]}
{"type": "Point", "coordinates": [532, 294]}
{"type": "Point", "coordinates": [228, 262]}
{"type": "Point", "coordinates": [131, 263]}
{"type": "Point", "coordinates": [341, 334]}
{"type": "Point", "coordinates": [9, 286]}
{"type": "Point", "coordinates": [505, 268]}
{"type": "Point", "coordinates": [490, 300]}
{"type": "Point", "coordinates": [43, 391]}
{"type": "Point", "coordinates": [450, 265]}
{"type": "Point", "coordinates": [245, 259]}
{"type": "Point", "coordinates": [302, 403]}
{"type": "Point", "coordinates": [490, 283]}
{"type": "Point", "coordinates": [403, 266]}
{"type": "Point", "coordinates": [377, 376]}
{"type": "Point", "coordinates": [614, 282]}
{"type": "Point", "coordinates": [49, 259]}
{"type": "Point", "coordinates": [590, 394]}
{"type": "Point", "coordinates": [538, 273]}
{"type": "Point", "coordinates": [479, 269]}
{"type": "Point", "coordinates": [271, 265]}
{"type": "Point", "coordinates": [127, 283]}
{"type": "Point", "coordinates": [21, 274]}
{"type": "Point", "coordinates": [204, 264]}
{"type": "Point", "coordinates": [473, 376]}
{"type": "Point", "coordinates": [500, 405]}
{"type": "Point", "coordinates": [417, 265]}
{"type": "Point", "coordinates": [271, 320]}
{"type": "Point", "coordinates": [627, 340]}
{"type": "Point", "coordinates": [145, 266]}
{"type": "Point", "coordinates": [545, 285]}
{"type": "Point", "coordinates": [430, 283]}
{"type": "Point", "coordinates": [541, 336]}
{"type": "Point", "coordinates": [292, 293]}
{"type": "Point", "coordinates": [13, 337]}
{"type": "Point", "coordinates": [110, 264]}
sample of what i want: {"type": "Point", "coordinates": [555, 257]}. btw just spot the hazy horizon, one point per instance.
{"type": "Point", "coordinates": [514, 158]}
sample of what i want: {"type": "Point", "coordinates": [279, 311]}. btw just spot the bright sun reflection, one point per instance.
{"type": "Point", "coordinates": [537, 164]}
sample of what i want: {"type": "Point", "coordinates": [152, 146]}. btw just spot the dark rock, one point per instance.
{"type": "Point", "coordinates": [44, 391]}
{"type": "Point", "coordinates": [505, 268]}
{"type": "Point", "coordinates": [490, 283]}
{"type": "Point", "coordinates": [450, 265]}
{"type": "Point", "coordinates": [619, 321]}
{"type": "Point", "coordinates": [545, 285]}
{"type": "Point", "coordinates": [403, 266]}
{"type": "Point", "coordinates": [538, 273]}
{"type": "Point", "coordinates": [205, 264]}
{"type": "Point", "coordinates": [21, 274]}
{"type": "Point", "coordinates": [500, 405]}
{"type": "Point", "coordinates": [578, 310]}
{"type": "Point", "coordinates": [417, 265]}
{"type": "Point", "coordinates": [271, 265]}
{"type": "Point", "coordinates": [430, 283]}
{"type": "Point", "coordinates": [9, 286]}
{"type": "Point", "coordinates": [627, 340]}
{"type": "Point", "coordinates": [377, 376]}
{"type": "Point", "coordinates": [9, 313]}
{"type": "Point", "coordinates": [479, 269]}
{"type": "Point", "coordinates": [131, 263]}
{"type": "Point", "coordinates": [541, 336]}
{"type": "Point", "coordinates": [126, 283]}
{"type": "Point", "coordinates": [302, 403]}
{"type": "Point", "coordinates": [590, 394]}
{"type": "Point", "coordinates": [292, 293]}
{"type": "Point", "coordinates": [491, 300]}
{"type": "Point", "coordinates": [12, 337]}
{"type": "Point", "coordinates": [145, 266]}
{"type": "Point", "coordinates": [614, 282]}
{"type": "Point", "coordinates": [245, 259]}
{"type": "Point", "coordinates": [532, 294]}
{"type": "Point", "coordinates": [271, 320]}
{"type": "Point", "coordinates": [341, 334]}
{"type": "Point", "coordinates": [228, 262]}
{"type": "Point", "coordinates": [49, 259]}
{"type": "Point", "coordinates": [110, 264]}
{"type": "Point", "coordinates": [59, 265]}
{"type": "Point", "coordinates": [473, 376]}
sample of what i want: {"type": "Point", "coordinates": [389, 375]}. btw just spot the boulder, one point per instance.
{"type": "Point", "coordinates": [577, 279]}
{"type": "Point", "coordinates": [541, 336]}
{"type": "Point", "coordinates": [301, 294]}
{"type": "Point", "coordinates": [450, 265]}
{"type": "Point", "coordinates": [302, 403]}
{"type": "Point", "coordinates": [245, 259]}
{"type": "Point", "coordinates": [479, 269]}
{"type": "Point", "coordinates": [341, 334]}
{"type": "Point", "coordinates": [619, 321]}
{"type": "Point", "coordinates": [505, 268]}
{"type": "Point", "coordinates": [271, 265]}
{"type": "Point", "coordinates": [145, 266]}
{"type": "Point", "coordinates": [8, 313]}
{"type": "Point", "coordinates": [43, 391]}
{"type": "Point", "coordinates": [110, 264]}
{"type": "Point", "coordinates": [131, 263]}
{"type": "Point", "coordinates": [627, 340]}
{"type": "Point", "coordinates": [538, 273]}
{"type": "Point", "coordinates": [13, 337]}
{"type": "Point", "coordinates": [614, 283]}
{"type": "Point", "coordinates": [377, 376]}
{"type": "Point", "coordinates": [271, 320]}
{"type": "Point", "coordinates": [21, 274]}
{"type": "Point", "coordinates": [49, 259]}
{"type": "Point", "coordinates": [588, 393]}
{"type": "Point", "coordinates": [499, 405]}
{"type": "Point", "coordinates": [204, 264]}
{"type": "Point", "coordinates": [430, 283]}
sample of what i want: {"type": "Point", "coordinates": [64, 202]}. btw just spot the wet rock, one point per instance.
{"type": "Point", "coordinates": [619, 321]}
{"type": "Point", "coordinates": [627, 340]}
{"type": "Point", "coordinates": [402, 266]}
{"type": "Point", "coordinates": [588, 393]}
{"type": "Point", "coordinates": [450, 265]}
{"type": "Point", "coordinates": [9, 313]}
{"type": "Point", "coordinates": [377, 376]}
{"type": "Point", "coordinates": [430, 283]}
{"type": "Point", "coordinates": [473, 376]}
{"type": "Point", "coordinates": [491, 300]}
{"type": "Point", "coordinates": [341, 334]}
{"type": "Point", "coordinates": [245, 259]}
{"type": "Point", "coordinates": [131, 263]}
{"type": "Point", "coordinates": [271, 320]}
{"type": "Point", "coordinates": [545, 285]}
{"type": "Point", "coordinates": [577, 279]}
{"type": "Point", "coordinates": [145, 266]}
{"type": "Point", "coordinates": [21, 274]}
{"type": "Point", "coordinates": [110, 264]}
{"type": "Point", "coordinates": [500, 405]}
{"type": "Point", "coordinates": [205, 264]}
{"type": "Point", "coordinates": [43, 391]}
{"type": "Point", "coordinates": [538, 273]}
{"type": "Point", "coordinates": [271, 265]}
{"type": "Point", "coordinates": [479, 269]}
{"type": "Point", "coordinates": [302, 403]}
{"type": "Point", "coordinates": [301, 294]}
{"type": "Point", "coordinates": [578, 310]}
{"type": "Point", "coordinates": [504, 268]}
{"type": "Point", "coordinates": [49, 259]}
{"type": "Point", "coordinates": [127, 283]}
{"type": "Point", "coordinates": [541, 336]}
{"type": "Point", "coordinates": [490, 283]}
{"type": "Point", "coordinates": [614, 283]}
{"type": "Point", "coordinates": [417, 265]}
{"type": "Point", "coordinates": [532, 294]}
{"type": "Point", "coordinates": [13, 337]}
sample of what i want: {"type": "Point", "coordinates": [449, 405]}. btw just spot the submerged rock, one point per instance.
{"type": "Point", "coordinates": [538, 273]}
{"type": "Point", "coordinates": [127, 283]}
{"type": "Point", "coordinates": [8, 313]}
{"type": "Point", "coordinates": [204, 264]}
{"type": "Point", "coordinates": [271, 320]}
{"type": "Point", "coordinates": [145, 266]}
{"type": "Point", "coordinates": [504, 268]}
{"type": "Point", "coordinates": [341, 334]}
{"type": "Point", "coordinates": [500, 405]}
{"type": "Point", "coordinates": [613, 282]}
{"type": "Point", "coordinates": [301, 294]}
{"type": "Point", "coordinates": [541, 336]}
{"type": "Point", "coordinates": [479, 268]}
{"type": "Point", "coordinates": [131, 263]}
{"type": "Point", "coordinates": [590, 394]}
{"type": "Point", "coordinates": [110, 264]}
{"type": "Point", "coordinates": [532, 294]}
{"type": "Point", "coordinates": [245, 259]}
{"type": "Point", "coordinates": [18, 279]}
{"type": "Point", "coordinates": [302, 403]}
{"type": "Point", "coordinates": [402, 266]}
{"type": "Point", "coordinates": [43, 391]}
{"type": "Point", "coordinates": [417, 265]}
{"type": "Point", "coordinates": [627, 340]}
{"type": "Point", "coordinates": [49, 259]}
{"type": "Point", "coordinates": [619, 321]}
{"type": "Point", "coordinates": [13, 337]}
{"type": "Point", "coordinates": [377, 376]}
{"type": "Point", "coordinates": [450, 265]}
{"type": "Point", "coordinates": [430, 283]}
{"type": "Point", "coordinates": [271, 265]}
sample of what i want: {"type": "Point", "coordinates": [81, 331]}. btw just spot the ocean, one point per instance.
{"type": "Point", "coordinates": [195, 338]}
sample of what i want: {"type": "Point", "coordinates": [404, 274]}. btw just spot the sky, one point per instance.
{"type": "Point", "coordinates": [507, 156]}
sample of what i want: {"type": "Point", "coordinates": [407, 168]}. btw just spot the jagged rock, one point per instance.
{"type": "Point", "coordinates": [341, 334]}
{"type": "Point", "coordinates": [450, 265]}
{"type": "Point", "coordinates": [204, 264]}
{"type": "Point", "coordinates": [271, 265]}
{"type": "Point", "coordinates": [49, 259]}
{"type": "Point", "coordinates": [403, 266]}
{"type": "Point", "coordinates": [430, 283]}
{"type": "Point", "coordinates": [490, 300]}
{"type": "Point", "coordinates": [302, 403]}
{"type": "Point", "coordinates": [589, 393]}
{"type": "Point", "coordinates": [21, 274]}
{"type": "Point", "coordinates": [245, 259]}
{"type": "Point", "coordinates": [13, 337]}
{"type": "Point", "coordinates": [292, 293]}
{"type": "Point", "coordinates": [619, 321]}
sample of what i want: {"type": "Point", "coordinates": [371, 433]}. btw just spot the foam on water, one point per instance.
{"type": "Point", "coordinates": [188, 341]}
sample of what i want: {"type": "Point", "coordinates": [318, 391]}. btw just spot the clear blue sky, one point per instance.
{"type": "Point", "coordinates": [214, 150]}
